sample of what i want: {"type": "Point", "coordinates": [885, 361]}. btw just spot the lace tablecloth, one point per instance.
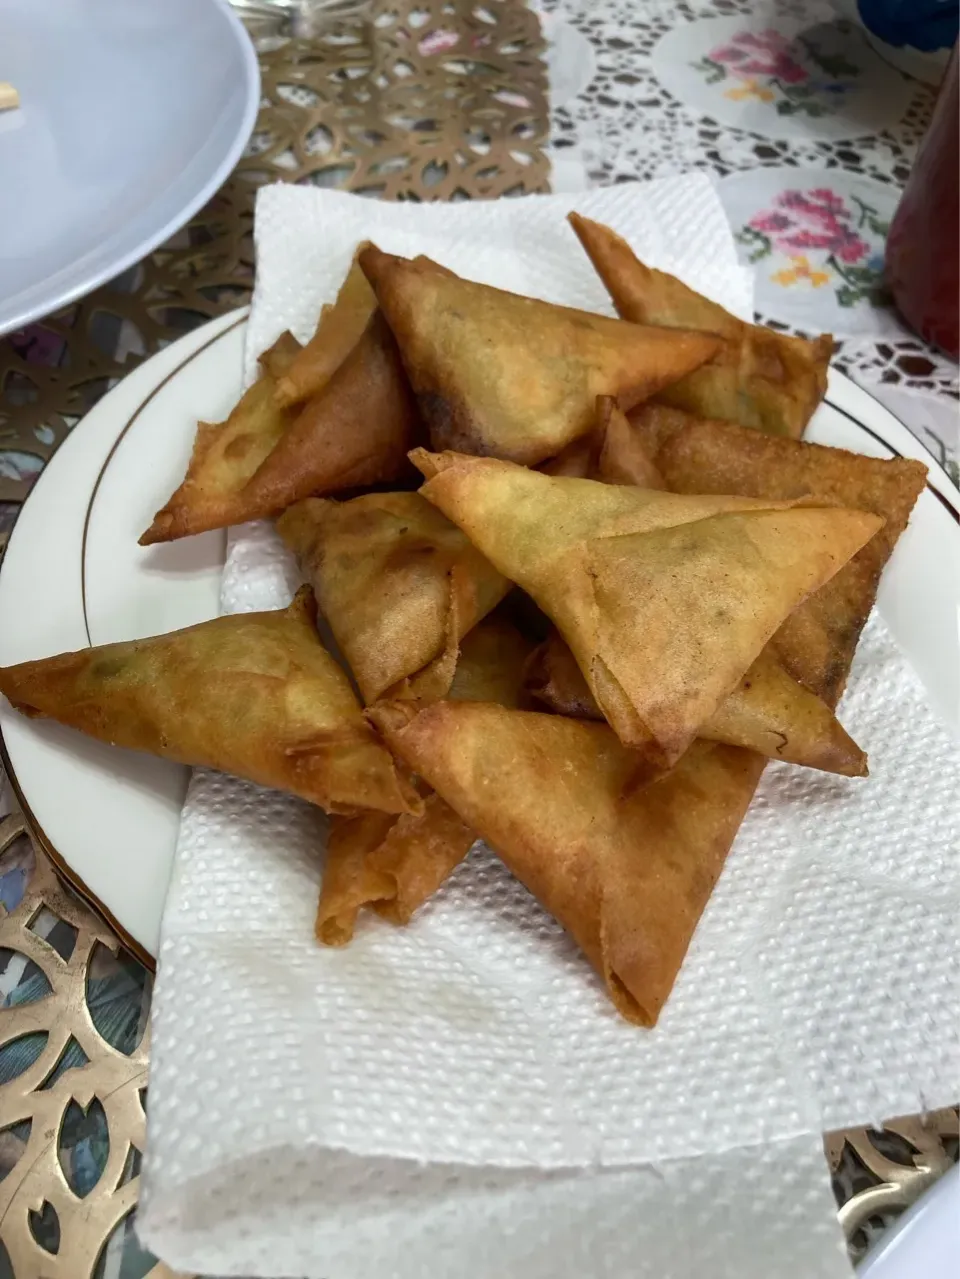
{"type": "Point", "coordinates": [809, 135]}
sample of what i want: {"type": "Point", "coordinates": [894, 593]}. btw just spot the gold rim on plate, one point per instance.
{"type": "Point", "coordinates": [36, 830]}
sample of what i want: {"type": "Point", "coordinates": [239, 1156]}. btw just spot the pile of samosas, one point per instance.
{"type": "Point", "coordinates": [622, 585]}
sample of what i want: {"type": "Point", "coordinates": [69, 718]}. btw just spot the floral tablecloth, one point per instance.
{"type": "Point", "coordinates": [809, 135]}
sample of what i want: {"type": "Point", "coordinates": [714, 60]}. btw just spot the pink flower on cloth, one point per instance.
{"type": "Point", "coordinates": [816, 219]}
{"type": "Point", "coordinates": [819, 198]}
{"type": "Point", "coordinates": [771, 222]}
{"type": "Point", "coordinates": [760, 53]}
{"type": "Point", "coordinates": [817, 238]}
{"type": "Point", "coordinates": [728, 55]}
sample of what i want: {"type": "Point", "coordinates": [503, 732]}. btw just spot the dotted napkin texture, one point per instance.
{"type": "Point", "coordinates": [306, 240]}
{"type": "Point", "coordinates": [459, 1097]}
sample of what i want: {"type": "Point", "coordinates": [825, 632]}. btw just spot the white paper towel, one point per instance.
{"type": "Point", "coordinates": [459, 1097]}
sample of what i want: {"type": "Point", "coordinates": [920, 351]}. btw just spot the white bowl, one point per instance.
{"type": "Point", "coordinates": [132, 113]}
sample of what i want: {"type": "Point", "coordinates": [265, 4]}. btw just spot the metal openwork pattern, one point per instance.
{"type": "Point", "coordinates": [426, 100]}
{"type": "Point", "coordinates": [878, 1174]}
{"type": "Point", "coordinates": [429, 99]}
{"type": "Point", "coordinates": [73, 1063]}
{"type": "Point", "coordinates": [73, 1072]}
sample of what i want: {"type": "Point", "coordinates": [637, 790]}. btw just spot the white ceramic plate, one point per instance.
{"type": "Point", "coordinates": [132, 113]}
{"type": "Point", "coordinates": [925, 1242]}
{"type": "Point", "coordinates": [73, 574]}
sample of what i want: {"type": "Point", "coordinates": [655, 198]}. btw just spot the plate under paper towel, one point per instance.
{"type": "Point", "coordinates": [459, 1098]}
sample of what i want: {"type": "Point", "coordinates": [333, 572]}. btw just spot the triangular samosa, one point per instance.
{"type": "Point", "coordinates": [817, 641]}
{"type": "Point", "coordinates": [767, 712]}
{"type": "Point", "coordinates": [225, 456]}
{"type": "Point", "coordinates": [278, 358]}
{"type": "Point", "coordinates": [578, 459]}
{"type": "Point", "coordinates": [665, 600]}
{"type": "Point", "coordinates": [356, 431]}
{"type": "Point", "coordinates": [399, 585]}
{"type": "Point", "coordinates": [391, 864]}
{"type": "Point", "coordinates": [760, 378]}
{"type": "Point", "coordinates": [509, 376]}
{"type": "Point", "coordinates": [622, 457]}
{"type": "Point", "coordinates": [338, 330]}
{"type": "Point", "coordinates": [612, 451]}
{"type": "Point", "coordinates": [395, 864]}
{"type": "Point", "coordinates": [627, 872]}
{"type": "Point", "coordinates": [255, 694]}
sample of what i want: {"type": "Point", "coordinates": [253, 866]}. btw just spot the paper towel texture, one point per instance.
{"type": "Point", "coordinates": [757, 1211]}
{"type": "Point", "coordinates": [464, 1085]}
{"type": "Point", "coordinates": [306, 239]}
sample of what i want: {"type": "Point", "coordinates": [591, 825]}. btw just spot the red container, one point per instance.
{"type": "Point", "coordinates": [923, 247]}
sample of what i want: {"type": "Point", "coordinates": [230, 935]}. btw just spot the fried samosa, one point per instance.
{"type": "Point", "coordinates": [509, 376]}
{"type": "Point", "coordinates": [277, 359]}
{"type": "Point", "coordinates": [356, 431]}
{"type": "Point", "coordinates": [339, 329]}
{"type": "Point", "coordinates": [399, 585]}
{"type": "Point", "coordinates": [622, 459]}
{"type": "Point", "coordinates": [817, 641]}
{"type": "Point", "coordinates": [395, 864]}
{"type": "Point", "coordinates": [665, 600]}
{"type": "Point", "coordinates": [767, 712]}
{"type": "Point", "coordinates": [225, 456]}
{"type": "Point", "coordinates": [492, 663]}
{"type": "Point", "coordinates": [555, 681]}
{"type": "Point", "coordinates": [759, 378]}
{"type": "Point", "coordinates": [627, 872]}
{"type": "Point", "coordinates": [612, 451]}
{"type": "Point", "coordinates": [578, 460]}
{"type": "Point", "coordinates": [255, 694]}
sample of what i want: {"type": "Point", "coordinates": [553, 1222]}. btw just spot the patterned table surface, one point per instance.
{"type": "Point", "coordinates": [810, 135]}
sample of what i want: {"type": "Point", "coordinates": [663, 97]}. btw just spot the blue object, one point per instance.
{"type": "Point", "coordinates": [930, 25]}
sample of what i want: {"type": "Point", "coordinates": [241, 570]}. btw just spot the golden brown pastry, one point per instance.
{"type": "Point", "coordinates": [768, 711]}
{"type": "Point", "coordinates": [395, 864]}
{"type": "Point", "coordinates": [225, 455]}
{"type": "Point", "coordinates": [627, 872]}
{"type": "Point", "coordinates": [255, 694]}
{"type": "Point", "coordinates": [399, 585]}
{"type": "Point", "coordinates": [338, 330]}
{"type": "Point", "coordinates": [355, 431]}
{"type": "Point", "coordinates": [665, 601]}
{"type": "Point", "coordinates": [612, 451]}
{"type": "Point", "coordinates": [817, 641]}
{"type": "Point", "coordinates": [757, 377]}
{"type": "Point", "coordinates": [510, 376]}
